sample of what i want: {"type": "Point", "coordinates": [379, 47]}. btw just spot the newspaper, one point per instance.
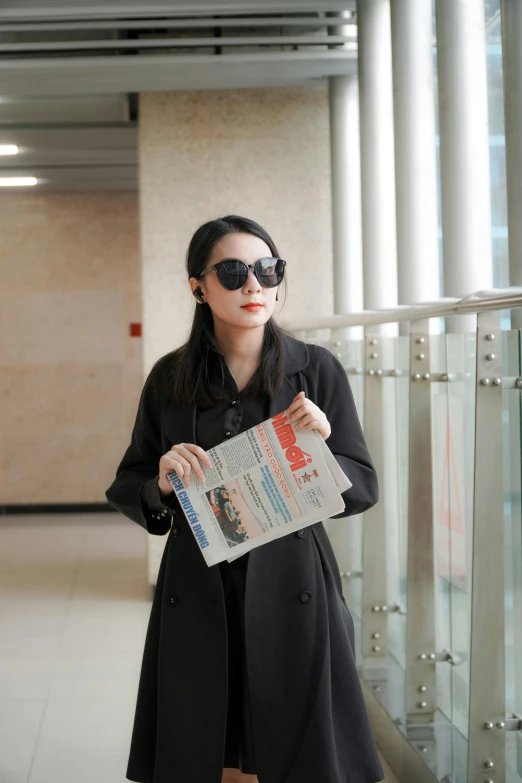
{"type": "Point", "coordinates": [265, 483]}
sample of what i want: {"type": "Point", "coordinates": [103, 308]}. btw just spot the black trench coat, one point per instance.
{"type": "Point", "coordinates": [309, 715]}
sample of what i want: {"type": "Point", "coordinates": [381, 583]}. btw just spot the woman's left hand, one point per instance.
{"type": "Point", "coordinates": [308, 416]}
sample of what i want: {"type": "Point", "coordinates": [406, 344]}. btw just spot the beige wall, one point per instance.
{"type": "Point", "coordinates": [261, 153]}
{"type": "Point", "coordinates": [70, 284]}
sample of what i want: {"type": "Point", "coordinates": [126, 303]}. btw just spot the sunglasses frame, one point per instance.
{"type": "Point", "coordinates": [248, 266]}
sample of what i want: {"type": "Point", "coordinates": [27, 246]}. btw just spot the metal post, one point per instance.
{"type": "Point", "coordinates": [415, 151]}
{"type": "Point", "coordinates": [421, 654]}
{"type": "Point", "coordinates": [377, 166]}
{"type": "Point", "coordinates": [511, 15]}
{"type": "Point", "coordinates": [464, 151]}
{"type": "Point", "coordinates": [486, 738]}
{"type": "Point", "coordinates": [374, 619]}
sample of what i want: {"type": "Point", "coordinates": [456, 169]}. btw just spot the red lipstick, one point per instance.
{"type": "Point", "coordinates": [253, 308]}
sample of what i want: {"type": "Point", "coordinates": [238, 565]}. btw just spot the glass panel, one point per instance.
{"type": "Point", "coordinates": [394, 483]}
{"type": "Point", "coordinates": [346, 534]}
{"type": "Point", "coordinates": [354, 365]}
{"type": "Point", "coordinates": [511, 424]}
{"type": "Point", "coordinates": [459, 521]}
{"type": "Point", "coordinates": [402, 386]}
{"type": "Point", "coordinates": [441, 495]}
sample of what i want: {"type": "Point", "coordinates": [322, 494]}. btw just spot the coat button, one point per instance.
{"type": "Point", "coordinates": [175, 531]}
{"type": "Point", "coordinates": [306, 597]}
{"type": "Point", "coordinates": [174, 599]}
{"type": "Point", "coordinates": [302, 533]}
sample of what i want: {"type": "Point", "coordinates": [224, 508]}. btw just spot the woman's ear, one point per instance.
{"type": "Point", "coordinates": [198, 293]}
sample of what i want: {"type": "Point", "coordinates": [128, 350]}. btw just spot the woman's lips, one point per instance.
{"type": "Point", "coordinates": [252, 307]}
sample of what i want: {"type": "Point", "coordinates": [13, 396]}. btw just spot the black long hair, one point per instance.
{"type": "Point", "coordinates": [187, 372]}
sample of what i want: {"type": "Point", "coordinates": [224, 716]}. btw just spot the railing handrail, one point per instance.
{"type": "Point", "coordinates": [492, 299]}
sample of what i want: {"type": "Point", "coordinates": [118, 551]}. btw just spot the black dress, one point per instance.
{"type": "Point", "coordinates": [235, 413]}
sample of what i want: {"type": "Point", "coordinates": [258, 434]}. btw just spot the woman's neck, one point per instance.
{"type": "Point", "coordinates": [239, 345]}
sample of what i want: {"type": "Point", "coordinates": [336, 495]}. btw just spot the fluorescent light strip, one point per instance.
{"type": "Point", "coordinates": [8, 149]}
{"type": "Point", "coordinates": [14, 182]}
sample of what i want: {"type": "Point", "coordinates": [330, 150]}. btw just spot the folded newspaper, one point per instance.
{"type": "Point", "coordinates": [265, 483]}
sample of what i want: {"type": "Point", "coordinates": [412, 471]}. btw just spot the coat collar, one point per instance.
{"type": "Point", "coordinates": [296, 354]}
{"type": "Point", "coordinates": [296, 358]}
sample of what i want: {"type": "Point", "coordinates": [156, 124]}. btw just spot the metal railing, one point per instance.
{"type": "Point", "coordinates": [433, 573]}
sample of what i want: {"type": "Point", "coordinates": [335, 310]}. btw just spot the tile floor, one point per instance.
{"type": "Point", "coordinates": [74, 607]}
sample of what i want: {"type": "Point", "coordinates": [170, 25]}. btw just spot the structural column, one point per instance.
{"type": "Point", "coordinates": [415, 151]}
{"type": "Point", "coordinates": [511, 11]}
{"type": "Point", "coordinates": [464, 151]}
{"type": "Point", "coordinates": [346, 193]}
{"type": "Point", "coordinates": [346, 182]}
{"type": "Point", "coordinates": [377, 156]}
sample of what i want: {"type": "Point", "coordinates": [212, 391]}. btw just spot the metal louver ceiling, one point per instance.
{"type": "Point", "coordinates": [82, 9]}
{"type": "Point", "coordinates": [103, 53]}
{"type": "Point", "coordinates": [71, 48]}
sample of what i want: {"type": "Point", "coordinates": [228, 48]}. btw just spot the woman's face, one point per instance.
{"type": "Point", "coordinates": [228, 306]}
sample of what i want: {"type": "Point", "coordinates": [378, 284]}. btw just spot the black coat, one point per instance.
{"type": "Point", "coordinates": [309, 715]}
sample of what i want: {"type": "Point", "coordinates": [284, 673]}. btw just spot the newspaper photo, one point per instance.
{"type": "Point", "coordinates": [266, 482]}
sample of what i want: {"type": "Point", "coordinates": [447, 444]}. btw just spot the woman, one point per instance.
{"type": "Point", "coordinates": [249, 667]}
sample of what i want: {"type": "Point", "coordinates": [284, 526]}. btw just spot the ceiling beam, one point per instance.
{"type": "Point", "coordinates": [102, 9]}
{"type": "Point", "coordinates": [145, 73]}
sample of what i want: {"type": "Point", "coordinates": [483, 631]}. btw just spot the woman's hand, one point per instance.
{"type": "Point", "coordinates": [183, 458]}
{"type": "Point", "coordinates": [308, 416]}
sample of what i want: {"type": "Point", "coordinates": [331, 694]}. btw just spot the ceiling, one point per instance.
{"type": "Point", "coordinates": [70, 71]}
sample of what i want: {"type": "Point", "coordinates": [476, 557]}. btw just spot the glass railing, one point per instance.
{"type": "Point", "coordinates": [433, 573]}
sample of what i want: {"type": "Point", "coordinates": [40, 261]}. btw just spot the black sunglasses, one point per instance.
{"type": "Point", "coordinates": [232, 273]}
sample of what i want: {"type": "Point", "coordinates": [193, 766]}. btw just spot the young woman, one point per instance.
{"type": "Point", "coordinates": [249, 668]}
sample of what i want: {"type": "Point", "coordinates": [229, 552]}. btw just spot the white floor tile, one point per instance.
{"type": "Point", "coordinates": [74, 608]}
{"type": "Point", "coordinates": [99, 673]}
{"type": "Point", "coordinates": [84, 740]}
{"type": "Point", "coordinates": [20, 721]}
{"type": "Point", "coordinates": [26, 676]}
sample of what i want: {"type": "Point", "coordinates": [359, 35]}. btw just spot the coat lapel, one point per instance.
{"type": "Point", "coordinates": [296, 358]}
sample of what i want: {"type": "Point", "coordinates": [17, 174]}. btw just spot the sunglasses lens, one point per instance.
{"type": "Point", "coordinates": [270, 271]}
{"type": "Point", "coordinates": [232, 274]}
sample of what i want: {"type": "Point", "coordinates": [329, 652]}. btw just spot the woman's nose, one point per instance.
{"type": "Point", "coordinates": [252, 283]}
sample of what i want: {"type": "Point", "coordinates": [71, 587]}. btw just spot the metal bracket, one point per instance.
{"type": "Point", "coordinates": [386, 608]}
{"type": "Point", "coordinates": [445, 656]}
{"type": "Point", "coordinates": [506, 724]}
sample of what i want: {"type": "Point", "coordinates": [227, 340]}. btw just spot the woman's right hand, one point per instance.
{"type": "Point", "coordinates": [183, 458]}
